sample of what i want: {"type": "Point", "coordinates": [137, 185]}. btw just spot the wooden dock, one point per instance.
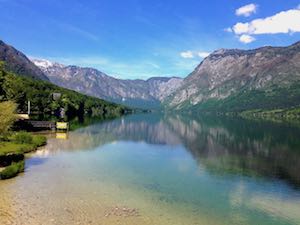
{"type": "Point", "coordinates": [42, 124]}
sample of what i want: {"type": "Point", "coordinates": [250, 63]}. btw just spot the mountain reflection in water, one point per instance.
{"type": "Point", "coordinates": [220, 145]}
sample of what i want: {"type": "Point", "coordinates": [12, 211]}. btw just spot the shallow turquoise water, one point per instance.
{"type": "Point", "coordinates": [173, 169]}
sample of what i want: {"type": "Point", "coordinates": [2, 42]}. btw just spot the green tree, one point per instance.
{"type": "Point", "coordinates": [7, 116]}
{"type": "Point", "coordinates": [40, 93]}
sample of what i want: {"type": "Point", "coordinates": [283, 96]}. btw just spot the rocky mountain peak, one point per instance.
{"type": "Point", "coordinates": [226, 72]}
{"type": "Point", "coordinates": [136, 93]}
{"type": "Point", "coordinates": [219, 51]}
{"type": "Point", "coordinates": [43, 63]}
{"type": "Point", "coordinates": [15, 61]}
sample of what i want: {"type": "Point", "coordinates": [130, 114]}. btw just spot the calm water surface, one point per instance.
{"type": "Point", "coordinates": [161, 169]}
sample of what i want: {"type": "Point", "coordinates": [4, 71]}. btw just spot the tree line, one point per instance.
{"type": "Point", "coordinates": [47, 98]}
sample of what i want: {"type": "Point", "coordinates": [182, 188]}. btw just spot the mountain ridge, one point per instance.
{"type": "Point", "coordinates": [135, 93]}
{"type": "Point", "coordinates": [230, 73]}
{"type": "Point", "coordinates": [17, 62]}
{"type": "Point", "coordinates": [226, 80]}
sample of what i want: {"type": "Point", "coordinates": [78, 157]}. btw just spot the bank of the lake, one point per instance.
{"type": "Point", "coordinates": [288, 115]}
{"type": "Point", "coordinates": [161, 169]}
{"type": "Point", "coordinates": [13, 150]}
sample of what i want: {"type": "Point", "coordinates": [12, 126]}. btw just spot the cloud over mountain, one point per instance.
{"type": "Point", "coordinates": [284, 22]}
{"type": "Point", "coordinates": [246, 10]}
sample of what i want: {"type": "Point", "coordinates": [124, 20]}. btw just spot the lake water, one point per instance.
{"type": "Point", "coordinates": [161, 169]}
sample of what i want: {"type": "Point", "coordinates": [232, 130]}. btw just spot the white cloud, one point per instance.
{"type": "Point", "coordinates": [246, 10]}
{"type": "Point", "coordinates": [246, 39]}
{"type": "Point", "coordinates": [228, 29]}
{"type": "Point", "coordinates": [187, 54]}
{"type": "Point", "coordinates": [194, 54]}
{"type": "Point", "coordinates": [283, 22]}
{"type": "Point", "coordinates": [203, 54]}
{"type": "Point", "coordinates": [241, 28]}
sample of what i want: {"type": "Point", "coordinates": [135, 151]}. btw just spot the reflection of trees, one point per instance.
{"type": "Point", "coordinates": [227, 145]}
{"type": "Point", "coordinates": [146, 128]}
{"type": "Point", "coordinates": [222, 145]}
{"type": "Point", "coordinates": [150, 129]}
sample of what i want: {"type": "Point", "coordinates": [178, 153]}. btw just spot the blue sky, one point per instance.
{"type": "Point", "coordinates": [142, 38]}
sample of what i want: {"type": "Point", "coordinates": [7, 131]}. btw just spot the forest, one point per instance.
{"type": "Point", "coordinates": [48, 99]}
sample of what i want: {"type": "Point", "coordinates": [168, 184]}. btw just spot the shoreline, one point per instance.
{"type": "Point", "coordinates": [13, 151]}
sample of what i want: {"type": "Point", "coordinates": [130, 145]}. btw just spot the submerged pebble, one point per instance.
{"type": "Point", "coordinates": [122, 212]}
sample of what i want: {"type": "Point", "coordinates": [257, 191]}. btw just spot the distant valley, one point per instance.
{"type": "Point", "coordinates": [228, 80]}
{"type": "Point", "coordinates": [146, 94]}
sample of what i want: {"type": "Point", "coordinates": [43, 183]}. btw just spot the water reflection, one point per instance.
{"type": "Point", "coordinates": [60, 135]}
{"type": "Point", "coordinates": [227, 145]}
{"type": "Point", "coordinates": [172, 169]}
{"type": "Point", "coordinates": [221, 145]}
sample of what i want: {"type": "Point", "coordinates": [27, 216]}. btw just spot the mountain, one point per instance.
{"type": "Point", "coordinates": [48, 99]}
{"type": "Point", "coordinates": [15, 61]}
{"type": "Point", "coordinates": [238, 80]}
{"type": "Point", "coordinates": [135, 93]}
{"type": "Point", "coordinates": [22, 81]}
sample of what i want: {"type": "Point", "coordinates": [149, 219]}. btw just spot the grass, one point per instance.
{"type": "Point", "coordinates": [23, 138]}
{"type": "Point", "coordinates": [8, 147]}
{"type": "Point", "coordinates": [15, 145]}
{"type": "Point", "coordinates": [39, 140]}
{"type": "Point", "coordinates": [13, 170]}
{"type": "Point", "coordinates": [19, 143]}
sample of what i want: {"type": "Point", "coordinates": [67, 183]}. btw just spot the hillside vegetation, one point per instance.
{"type": "Point", "coordinates": [275, 97]}
{"type": "Point", "coordinates": [234, 81]}
{"type": "Point", "coordinates": [21, 89]}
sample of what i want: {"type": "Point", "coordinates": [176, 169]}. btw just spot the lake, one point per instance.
{"type": "Point", "coordinates": [161, 169]}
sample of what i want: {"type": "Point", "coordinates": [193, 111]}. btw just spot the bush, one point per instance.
{"type": "Point", "coordinates": [39, 140]}
{"type": "Point", "coordinates": [23, 138]}
{"type": "Point", "coordinates": [13, 170]}
{"type": "Point", "coordinates": [7, 116]}
{"type": "Point", "coordinates": [26, 148]}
